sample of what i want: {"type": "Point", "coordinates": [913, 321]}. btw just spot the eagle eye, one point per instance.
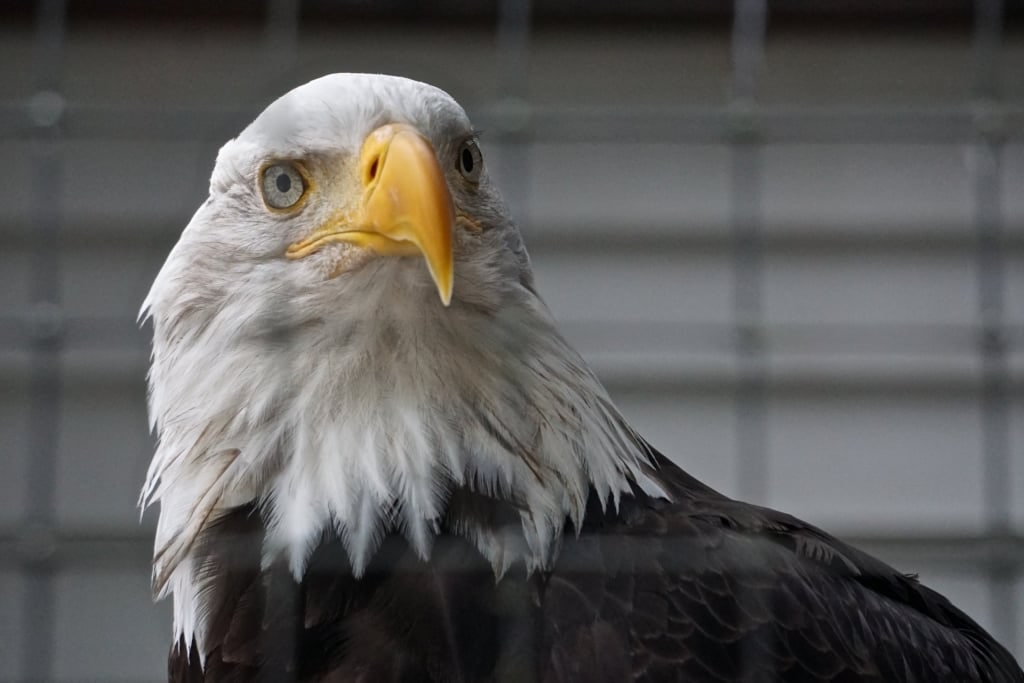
{"type": "Point", "coordinates": [470, 161]}
{"type": "Point", "coordinates": [282, 185]}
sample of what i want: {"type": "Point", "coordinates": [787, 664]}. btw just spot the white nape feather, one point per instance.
{"type": "Point", "coordinates": [358, 403]}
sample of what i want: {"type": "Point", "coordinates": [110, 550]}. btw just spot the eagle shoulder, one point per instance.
{"type": "Point", "coordinates": [708, 588]}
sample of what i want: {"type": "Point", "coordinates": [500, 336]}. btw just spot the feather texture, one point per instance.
{"type": "Point", "coordinates": [701, 589]}
{"type": "Point", "coordinates": [359, 483]}
{"type": "Point", "coordinates": [357, 405]}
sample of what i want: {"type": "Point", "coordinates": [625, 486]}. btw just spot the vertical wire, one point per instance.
{"type": "Point", "coordinates": [513, 44]}
{"type": "Point", "coordinates": [37, 533]}
{"type": "Point", "coordinates": [280, 53]}
{"type": "Point", "coordinates": [991, 283]}
{"type": "Point", "coordinates": [281, 35]}
{"type": "Point", "coordinates": [748, 35]}
{"type": "Point", "coordinates": [513, 111]}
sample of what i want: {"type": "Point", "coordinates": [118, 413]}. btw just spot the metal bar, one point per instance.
{"type": "Point", "coordinates": [280, 51]}
{"type": "Point", "coordinates": [994, 403]}
{"type": "Point", "coordinates": [560, 235]}
{"type": "Point", "coordinates": [280, 54]}
{"type": "Point", "coordinates": [991, 283]}
{"type": "Point", "coordinates": [511, 114]}
{"type": "Point", "coordinates": [281, 41]}
{"type": "Point", "coordinates": [46, 108]}
{"type": "Point", "coordinates": [511, 125]}
{"type": "Point", "coordinates": [748, 37]}
{"type": "Point", "coordinates": [120, 332]}
{"type": "Point", "coordinates": [749, 27]}
{"type": "Point", "coordinates": [677, 372]}
{"type": "Point", "coordinates": [852, 357]}
{"type": "Point", "coordinates": [570, 123]}
{"type": "Point", "coordinates": [513, 45]}
{"type": "Point", "coordinates": [747, 45]}
{"type": "Point", "coordinates": [133, 550]}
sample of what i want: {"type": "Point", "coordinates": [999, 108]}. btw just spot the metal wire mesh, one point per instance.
{"type": "Point", "coordinates": [41, 550]}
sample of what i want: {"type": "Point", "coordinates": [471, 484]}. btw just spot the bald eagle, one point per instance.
{"type": "Point", "coordinates": [378, 459]}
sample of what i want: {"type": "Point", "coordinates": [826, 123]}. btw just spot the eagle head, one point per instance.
{"type": "Point", "coordinates": [347, 335]}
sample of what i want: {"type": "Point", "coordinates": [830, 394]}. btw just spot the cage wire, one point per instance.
{"type": "Point", "coordinates": [42, 551]}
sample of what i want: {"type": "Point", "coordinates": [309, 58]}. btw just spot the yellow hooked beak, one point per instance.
{"type": "Point", "coordinates": [405, 208]}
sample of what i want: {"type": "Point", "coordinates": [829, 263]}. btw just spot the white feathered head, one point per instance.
{"type": "Point", "coordinates": [347, 333]}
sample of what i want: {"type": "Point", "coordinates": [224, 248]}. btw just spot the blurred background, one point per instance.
{"type": "Point", "coordinates": [789, 236]}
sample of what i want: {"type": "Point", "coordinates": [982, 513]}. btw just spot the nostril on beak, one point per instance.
{"type": "Point", "coordinates": [371, 170]}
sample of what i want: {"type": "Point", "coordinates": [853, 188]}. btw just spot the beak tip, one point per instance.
{"type": "Point", "coordinates": [407, 200]}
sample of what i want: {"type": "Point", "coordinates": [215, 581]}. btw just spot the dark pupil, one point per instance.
{"type": "Point", "coordinates": [284, 183]}
{"type": "Point", "coordinates": [467, 161]}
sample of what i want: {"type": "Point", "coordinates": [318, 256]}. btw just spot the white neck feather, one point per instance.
{"type": "Point", "coordinates": [366, 426]}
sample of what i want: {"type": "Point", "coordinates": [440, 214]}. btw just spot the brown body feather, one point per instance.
{"type": "Point", "coordinates": [700, 589]}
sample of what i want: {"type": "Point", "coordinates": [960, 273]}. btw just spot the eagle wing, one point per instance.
{"type": "Point", "coordinates": [709, 589]}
